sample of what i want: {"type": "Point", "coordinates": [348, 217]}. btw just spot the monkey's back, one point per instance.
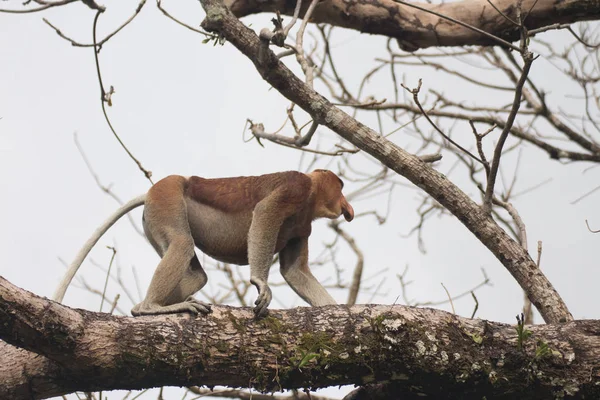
{"type": "Point", "coordinates": [238, 194]}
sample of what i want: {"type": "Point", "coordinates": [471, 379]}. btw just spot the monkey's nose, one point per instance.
{"type": "Point", "coordinates": [348, 212]}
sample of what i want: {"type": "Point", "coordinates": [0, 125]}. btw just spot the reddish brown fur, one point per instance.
{"type": "Point", "coordinates": [237, 194]}
{"type": "Point", "coordinates": [328, 187]}
{"type": "Point", "coordinates": [161, 195]}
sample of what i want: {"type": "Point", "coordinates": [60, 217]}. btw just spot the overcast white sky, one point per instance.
{"type": "Point", "coordinates": [180, 106]}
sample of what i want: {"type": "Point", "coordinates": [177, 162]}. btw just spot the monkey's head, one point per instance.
{"type": "Point", "coordinates": [330, 202]}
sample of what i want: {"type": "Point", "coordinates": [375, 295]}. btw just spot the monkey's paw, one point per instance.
{"type": "Point", "coordinates": [263, 300]}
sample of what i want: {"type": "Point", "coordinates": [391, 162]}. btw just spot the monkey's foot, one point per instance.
{"type": "Point", "coordinates": [190, 305]}
{"type": "Point", "coordinates": [200, 306]}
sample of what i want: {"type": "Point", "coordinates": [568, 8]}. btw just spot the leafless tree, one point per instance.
{"type": "Point", "coordinates": [493, 108]}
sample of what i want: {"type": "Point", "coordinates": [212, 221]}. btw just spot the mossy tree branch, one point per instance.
{"type": "Point", "coordinates": [418, 350]}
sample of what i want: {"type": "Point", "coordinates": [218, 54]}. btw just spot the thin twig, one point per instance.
{"type": "Point", "coordinates": [112, 259]}
{"type": "Point", "coordinates": [516, 219]}
{"type": "Point", "coordinates": [307, 69]}
{"type": "Point", "coordinates": [449, 298]}
{"type": "Point", "coordinates": [506, 17]}
{"type": "Point", "coordinates": [479, 143]}
{"type": "Point", "coordinates": [484, 282]}
{"type": "Point", "coordinates": [534, 32]}
{"type": "Point", "coordinates": [258, 131]}
{"type": "Point", "coordinates": [234, 285]}
{"type": "Point", "coordinates": [289, 26]}
{"type": "Point", "coordinates": [302, 141]}
{"type": "Point", "coordinates": [42, 8]}
{"type": "Point", "coordinates": [476, 305]}
{"type": "Point", "coordinates": [105, 98]}
{"type": "Point", "coordinates": [360, 261]}
{"type": "Point", "coordinates": [590, 229]}
{"type": "Point", "coordinates": [191, 28]}
{"type": "Point", "coordinates": [107, 37]}
{"type": "Point", "coordinates": [489, 191]}
{"type": "Point", "coordinates": [415, 93]}
{"type": "Point", "coordinates": [583, 42]}
{"type": "Point", "coordinates": [577, 200]}
{"type": "Point", "coordinates": [114, 303]}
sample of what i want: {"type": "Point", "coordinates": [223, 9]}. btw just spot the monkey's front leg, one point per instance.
{"type": "Point", "coordinates": [262, 239]}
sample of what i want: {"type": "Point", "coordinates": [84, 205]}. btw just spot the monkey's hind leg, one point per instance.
{"type": "Point", "coordinates": [193, 280]}
{"type": "Point", "coordinates": [179, 274]}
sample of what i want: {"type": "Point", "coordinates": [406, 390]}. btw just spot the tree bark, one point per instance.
{"type": "Point", "coordinates": [513, 256]}
{"type": "Point", "coordinates": [420, 351]}
{"type": "Point", "coordinates": [415, 29]}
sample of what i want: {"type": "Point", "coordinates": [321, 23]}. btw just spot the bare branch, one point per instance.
{"type": "Point", "coordinates": [107, 37]}
{"type": "Point", "coordinates": [168, 15]}
{"type": "Point", "coordinates": [415, 93]}
{"type": "Point", "coordinates": [590, 229]}
{"type": "Point", "coordinates": [107, 99]}
{"type": "Point", "coordinates": [42, 8]}
{"type": "Point", "coordinates": [489, 191]}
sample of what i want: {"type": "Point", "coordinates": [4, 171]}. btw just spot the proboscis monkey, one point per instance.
{"type": "Point", "coordinates": [243, 220]}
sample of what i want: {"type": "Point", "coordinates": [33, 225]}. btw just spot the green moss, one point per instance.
{"type": "Point", "coordinates": [377, 323]}
{"type": "Point", "coordinates": [476, 337]}
{"type": "Point", "coordinates": [318, 342]}
{"type": "Point", "coordinates": [276, 339]}
{"type": "Point", "coordinates": [259, 378]}
{"type": "Point", "coordinates": [237, 324]}
{"type": "Point", "coordinates": [222, 346]}
{"type": "Point", "coordinates": [131, 358]}
{"type": "Point", "coordinates": [272, 323]}
{"type": "Point", "coordinates": [314, 347]}
{"type": "Point", "coordinates": [542, 350]}
{"type": "Point", "coordinates": [368, 379]}
{"type": "Point", "coordinates": [274, 335]}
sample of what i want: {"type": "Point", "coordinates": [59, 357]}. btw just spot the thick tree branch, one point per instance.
{"type": "Point", "coordinates": [415, 29]}
{"type": "Point", "coordinates": [418, 350]}
{"type": "Point", "coordinates": [518, 262]}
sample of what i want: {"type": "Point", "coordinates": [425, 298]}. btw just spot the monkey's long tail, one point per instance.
{"type": "Point", "coordinates": [91, 242]}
